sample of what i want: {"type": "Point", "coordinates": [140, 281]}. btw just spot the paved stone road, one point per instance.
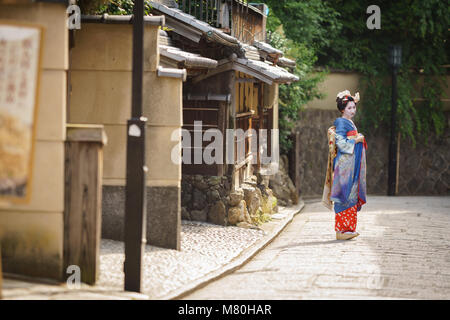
{"type": "Point", "coordinates": [403, 252]}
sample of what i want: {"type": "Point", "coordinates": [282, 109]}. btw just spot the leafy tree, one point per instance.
{"type": "Point", "coordinates": [312, 23]}
{"type": "Point", "coordinates": [421, 27]}
{"type": "Point", "coordinates": [305, 28]}
{"type": "Point", "coordinates": [336, 31]}
{"type": "Point", "coordinates": [113, 7]}
{"type": "Point", "coordinates": [292, 97]}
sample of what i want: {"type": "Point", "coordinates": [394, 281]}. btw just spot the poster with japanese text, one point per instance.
{"type": "Point", "coordinates": [20, 56]}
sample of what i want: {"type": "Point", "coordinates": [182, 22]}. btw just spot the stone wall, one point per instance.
{"type": "Point", "coordinates": [211, 199]}
{"type": "Point", "coordinates": [423, 170]}
{"type": "Point", "coordinates": [282, 186]}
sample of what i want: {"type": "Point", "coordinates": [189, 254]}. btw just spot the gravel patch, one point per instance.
{"type": "Point", "coordinates": [204, 248]}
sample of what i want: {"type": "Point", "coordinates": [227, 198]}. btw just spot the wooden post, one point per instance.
{"type": "Point", "coordinates": [83, 199]}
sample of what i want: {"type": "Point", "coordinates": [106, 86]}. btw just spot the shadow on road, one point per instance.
{"type": "Point", "coordinates": [313, 243]}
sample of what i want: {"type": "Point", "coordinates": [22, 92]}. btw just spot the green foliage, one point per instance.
{"type": "Point", "coordinates": [336, 32]}
{"type": "Point", "coordinates": [90, 6]}
{"type": "Point", "coordinates": [293, 97]}
{"type": "Point", "coordinates": [313, 23]}
{"type": "Point", "coordinates": [421, 27]}
{"type": "Point", "coordinates": [116, 7]}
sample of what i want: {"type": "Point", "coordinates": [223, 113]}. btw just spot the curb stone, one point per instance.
{"type": "Point", "coordinates": [272, 230]}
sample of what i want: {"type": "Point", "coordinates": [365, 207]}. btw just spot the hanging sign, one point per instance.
{"type": "Point", "coordinates": [20, 56]}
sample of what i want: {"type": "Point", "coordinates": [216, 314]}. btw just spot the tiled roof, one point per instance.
{"type": "Point", "coordinates": [121, 19]}
{"type": "Point", "coordinates": [275, 73]}
{"type": "Point", "coordinates": [267, 48]}
{"type": "Point", "coordinates": [188, 26]}
{"type": "Point", "coordinates": [251, 52]}
{"type": "Point", "coordinates": [285, 62]}
{"type": "Point", "coordinates": [168, 50]}
{"type": "Point", "coordinates": [259, 70]}
{"type": "Point", "coordinates": [188, 59]}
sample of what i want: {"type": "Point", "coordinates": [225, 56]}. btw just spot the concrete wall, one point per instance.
{"type": "Point", "coordinates": [334, 83]}
{"type": "Point", "coordinates": [423, 170]}
{"type": "Point", "coordinates": [32, 234]}
{"type": "Point", "coordinates": [101, 93]}
{"type": "Point", "coordinates": [339, 81]}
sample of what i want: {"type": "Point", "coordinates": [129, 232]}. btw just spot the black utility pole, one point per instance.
{"type": "Point", "coordinates": [395, 61]}
{"type": "Point", "coordinates": [135, 201]}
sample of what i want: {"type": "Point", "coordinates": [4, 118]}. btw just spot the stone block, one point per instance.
{"type": "Point", "coordinates": [238, 214]}
{"type": "Point", "coordinates": [199, 201]}
{"type": "Point", "coordinates": [236, 197]}
{"type": "Point", "coordinates": [185, 214]}
{"type": "Point", "coordinates": [199, 215]}
{"type": "Point", "coordinates": [217, 214]}
{"type": "Point", "coordinates": [253, 199]}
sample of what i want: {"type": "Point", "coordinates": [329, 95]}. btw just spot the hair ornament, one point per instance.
{"type": "Point", "coordinates": [346, 93]}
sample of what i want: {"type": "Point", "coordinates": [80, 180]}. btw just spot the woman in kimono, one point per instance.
{"type": "Point", "coordinates": [348, 185]}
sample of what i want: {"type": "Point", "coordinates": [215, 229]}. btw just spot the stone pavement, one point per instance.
{"type": "Point", "coordinates": [403, 252]}
{"type": "Point", "coordinates": [207, 253]}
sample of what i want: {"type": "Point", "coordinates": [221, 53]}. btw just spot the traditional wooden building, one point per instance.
{"type": "Point", "coordinates": [241, 92]}
{"type": "Point", "coordinates": [213, 66]}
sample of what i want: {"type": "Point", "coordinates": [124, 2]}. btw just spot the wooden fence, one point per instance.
{"type": "Point", "coordinates": [214, 12]}
{"type": "Point", "coordinates": [232, 16]}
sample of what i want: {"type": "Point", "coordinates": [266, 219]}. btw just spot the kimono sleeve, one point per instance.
{"type": "Point", "coordinates": [344, 144]}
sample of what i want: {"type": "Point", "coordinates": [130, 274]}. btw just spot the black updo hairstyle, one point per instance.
{"type": "Point", "coordinates": [342, 102]}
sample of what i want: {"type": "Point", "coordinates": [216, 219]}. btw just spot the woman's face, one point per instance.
{"type": "Point", "coordinates": [350, 110]}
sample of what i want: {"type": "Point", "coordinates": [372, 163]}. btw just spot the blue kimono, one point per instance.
{"type": "Point", "coordinates": [349, 180]}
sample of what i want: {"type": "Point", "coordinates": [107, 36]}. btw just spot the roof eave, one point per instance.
{"type": "Point", "coordinates": [122, 19]}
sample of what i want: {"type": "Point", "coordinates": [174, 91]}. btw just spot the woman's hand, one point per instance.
{"type": "Point", "coordinates": [359, 139]}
